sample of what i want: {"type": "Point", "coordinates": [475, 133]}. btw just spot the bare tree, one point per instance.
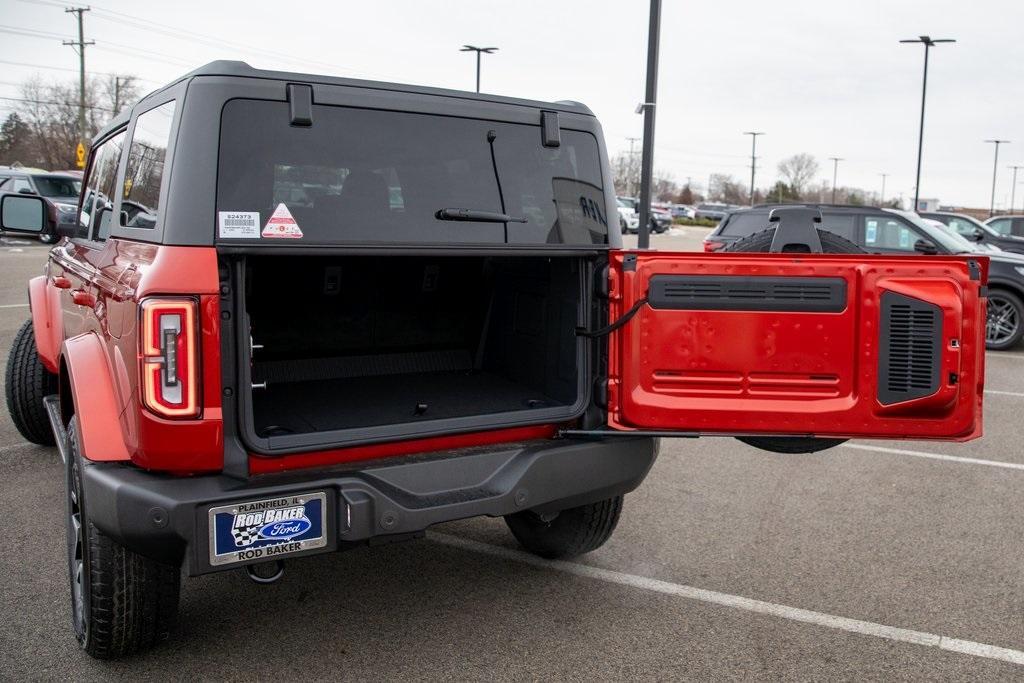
{"type": "Point", "coordinates": [798, 171]}
{"type": "Point", "coordinates": [118, 92]}
{"type": "Point", "coordinates": [725, 188]}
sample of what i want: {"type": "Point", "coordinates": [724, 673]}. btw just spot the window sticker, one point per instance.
{"type": "Point", "coordinates": [871, 235]}
{"type": "Point", "coordinates": [904, 238]}
{"type": "Point", "coordinates": [238, 225]}
{"type": "Point", "coordinates": [282, 224]}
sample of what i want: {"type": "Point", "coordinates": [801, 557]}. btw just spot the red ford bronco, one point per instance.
{"type": "Point", "coordinates": [302, 313]}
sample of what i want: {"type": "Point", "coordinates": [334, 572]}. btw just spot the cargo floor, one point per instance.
{"type": "Point", "coordinates": [330, 404]}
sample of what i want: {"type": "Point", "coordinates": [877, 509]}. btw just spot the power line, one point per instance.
{"type": "Point", "coordinates": [65, 68]}
{"type": "Point", "coordinates": [53, 101]}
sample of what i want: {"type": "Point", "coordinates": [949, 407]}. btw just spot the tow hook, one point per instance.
{"type": "Point", "coordinates": [265, 573]}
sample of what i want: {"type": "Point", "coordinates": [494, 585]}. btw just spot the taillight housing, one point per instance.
{"type": "Point", "coordinates": [170, 357]}
{"type": "Point", "coordinates": [712, 245]}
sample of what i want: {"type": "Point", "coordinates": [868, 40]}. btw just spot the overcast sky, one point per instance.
{"type": "Point", "coordinates": [824, 77]}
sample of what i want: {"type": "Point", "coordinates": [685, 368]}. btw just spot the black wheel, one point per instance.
{"type": "Point", "coordinates": [623, 228]}
{"type": "Point", "coordinates": [762, 242]}
{"type": "Point", "coordinates": [27, 383]}
{"type": "Point", "coordinates": [1005, 324]}
{"type": "Point", "coordinates": [121, 602]}
{"type": "Point", "coordinates": [567, 533]}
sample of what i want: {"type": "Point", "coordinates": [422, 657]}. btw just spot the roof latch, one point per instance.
{"type": "Point", "coordinates": [300, 104]}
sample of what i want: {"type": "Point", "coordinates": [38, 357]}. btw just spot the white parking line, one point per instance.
{"type": "Point", "coordinates": [13, 305]}
{"type": "Point", "coordinates": [1004, 393]}
{"type": "Point", "coordinates": [866, 628]}
{"type": "Point", "coordinates": [935, 456]}
{"type": "Point", "coordinates": [15, 447]}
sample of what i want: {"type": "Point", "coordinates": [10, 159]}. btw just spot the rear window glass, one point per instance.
{"type": "Point", "coordinates": [360, 175]}
{"type": "Point", "coordinates": [58, 186]}
{"type": "Point", "coordinates": [744, 224]}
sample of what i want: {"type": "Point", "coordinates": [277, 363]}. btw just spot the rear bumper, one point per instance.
{"type": "Point", "coordinates": [166, 518]}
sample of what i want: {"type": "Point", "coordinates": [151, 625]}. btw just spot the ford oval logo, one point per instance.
{"type": "Point", "coordinates": [286, 530]}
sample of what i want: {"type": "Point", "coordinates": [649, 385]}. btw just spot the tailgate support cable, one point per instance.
{"type": "Point", "coordinates": [608, 329]}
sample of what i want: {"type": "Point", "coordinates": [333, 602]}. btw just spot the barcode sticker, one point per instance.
{"type": "Point", "coordinates": [238, 224]}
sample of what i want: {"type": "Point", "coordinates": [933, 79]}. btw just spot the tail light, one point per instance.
{"type": "Point", "coordinates": [170, 362]}
{"type": "Point", "coordinates": [712, 245]}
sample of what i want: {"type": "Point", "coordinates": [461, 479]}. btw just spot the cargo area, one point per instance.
{"type": "Point", "coordinates": [369, 347]}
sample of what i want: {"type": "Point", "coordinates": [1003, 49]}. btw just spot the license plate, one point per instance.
{"type": "Point", "coordinates": [267, 529]}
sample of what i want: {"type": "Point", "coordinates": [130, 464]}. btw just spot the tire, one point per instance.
{"type": "Point", "coordinates": [27, 383]}
{"type": "Point", "coordinates": [1005, 324]}
{"type": "Point", "coordinates": [762, 242]}
{"type": "Point", "coordinates": [121, 602]}
{"type": "Point", "coordinates": [571, 532]}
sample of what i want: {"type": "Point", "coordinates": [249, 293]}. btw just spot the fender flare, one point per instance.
{"type": "Point", "coordinates": [47, 323]}
{"type": "Point", "coordinates": [90, 379]}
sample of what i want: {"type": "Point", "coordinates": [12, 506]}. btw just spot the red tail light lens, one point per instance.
{"type": "Point", "coordinates": [712, 245]}
{"type": "Point", "coordinates": [170, 363]}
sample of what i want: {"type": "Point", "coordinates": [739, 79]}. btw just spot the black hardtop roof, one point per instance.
{"type": "Point", "coordinates": [238, 69]}
{"type": "Point", "coordinates": [841, 207]}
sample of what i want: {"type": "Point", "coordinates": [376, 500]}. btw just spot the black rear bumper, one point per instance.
{"type": "Point", "coordinates": [166, 518]}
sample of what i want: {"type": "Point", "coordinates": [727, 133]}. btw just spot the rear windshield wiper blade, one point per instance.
{"type": "Point", "coordinates": [474, 215]}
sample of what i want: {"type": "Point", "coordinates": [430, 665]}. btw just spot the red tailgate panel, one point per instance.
{"type": "Point", "coordinates": [808, 363]}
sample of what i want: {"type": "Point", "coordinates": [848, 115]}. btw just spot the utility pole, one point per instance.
{"type": "Point", "coordinates": [995, 167]}
{"type": "Point", "coordinates": [928, 42]}
{"type": "Point", "coordinates": [478, 51]}
{"type": "Point", "coordinates": [835, 174]}
{"type": "Point", "coordinates": [753, 160]}
{"type": "Point", "coordinates": [647, 107]}
{"type": "Point", "coordinates": [117, 95]}
{"type": "Point", "coordinates": [632, 168]}
{"type": "Point", "coordinates": [81, 45]}
{"type": "Point", "coordinates": [1013, 189]}
{"type": "Point", "coordinates": [882, 198]}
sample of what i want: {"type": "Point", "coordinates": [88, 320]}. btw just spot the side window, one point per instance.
{"type": "Point", "coordinates": [1001, 225]}
{"type": "Point", "coordinates": [20, 184]}
{"type": "Point", "coordinates": [1018, 227]}
{"type": "Point", "coordinates": [963, 227]}
{"type": "Point", "coordinates": [883, 232]}
{"type": "Point", "coordinates": [108, 158]}
{"type": "Point", "coordinates": [145, 171]}
{"type": "Point", "coordinates": [840, 224]}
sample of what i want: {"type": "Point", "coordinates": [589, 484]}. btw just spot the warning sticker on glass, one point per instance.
{"type": "Point", "coordinates": [238, 225]}
{"type": "Point", "coordinates": [282, 224]}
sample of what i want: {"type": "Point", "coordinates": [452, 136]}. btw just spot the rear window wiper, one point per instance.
{"type": "Point", "coordinates": [474, 215]}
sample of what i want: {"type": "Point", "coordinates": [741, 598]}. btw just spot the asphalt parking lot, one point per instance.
{"type": "Point", "coordinates": [871, 560]}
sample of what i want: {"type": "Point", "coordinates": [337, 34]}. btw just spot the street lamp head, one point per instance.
{"type": "Point", "coordinates": [928, 41]}
{"type": "Point", "coordinates": [754, 133]}
{"type": "Point", "coordinates": [473, 48]}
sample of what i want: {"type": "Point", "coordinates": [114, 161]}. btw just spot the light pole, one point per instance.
{"type": "Point", "coordinates": [753, 160]}
{"type": "Point", "coordinates": [647, 108]}
{"type": "Point", "coordinates": [928, 42]}
{"type": "Point", "coordinates": [995, 168]}
{"type": "Point", "coordinates": [881, 200]}
{"type": "Point", "coordinates": [835, 174]}
{"type": "Point", "coordinates": [478, 51]}
{"type": "Point", "coordinates": [1013, 189]}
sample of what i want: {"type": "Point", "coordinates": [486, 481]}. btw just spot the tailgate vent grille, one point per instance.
{"type": "Point", "coordinates": [747, 293]}
{"type": "Point", "coordinates": [910, 351]}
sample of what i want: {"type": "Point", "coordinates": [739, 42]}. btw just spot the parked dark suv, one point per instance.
{"type": "Point", "coordinates": [974, 230]}
{"type": "Point", "coordinates": [352, 310]}
{"type": "Point", "coordinates": [60, 190]}
{"type": "Point", "coordinates": [889, 231]}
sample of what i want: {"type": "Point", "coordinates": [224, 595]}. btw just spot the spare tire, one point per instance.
{"type": "Point", "coordinates": [831, 243]}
